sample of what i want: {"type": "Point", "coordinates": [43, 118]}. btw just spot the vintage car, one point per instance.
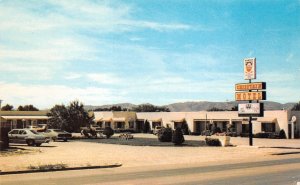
{"type": "Point", "coordinates": [30, 137]}
{"type": "Point", "coordinates": [57, 134]}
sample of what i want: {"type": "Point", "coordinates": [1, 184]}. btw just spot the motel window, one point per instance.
{"type": "Point", "coordinates": [154, 124]}
{"type": "Point", "coordinates": [224, 126]}
{"type": "Point", "coordinates": [131, 124]}
{"type": "Point", "coordinates": [100, 124]}
{"type": "Point", "coordinates": [107, 124]}
{"type": "Point", "coordinates": [245, 128]}
{"type": "Point", "coordinates": [268, 127]}
{"type": "Point", "coordinates": [177, 125]}
{"type": "Point", "coordinates": [120, 124]}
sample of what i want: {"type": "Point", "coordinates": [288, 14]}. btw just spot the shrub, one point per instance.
{"type": "Point", "coordinates": [177, 137]}
{"type": "Point", "coordinates": [185, 128]}
{"type": "Point", "coordinates": [165, 135]}
{"type": "Point", "coordinates": [108, 132]}
{"type": "Point", "coordinates": [213, 142]}
{"type": "Point", "coordinates": [244, 134]}
{"type": "Point", "coordinates": [282, 134]}
{"type": "Point", "coordinates": [146, 127]}
{"type": "Point", "coordinates": [262, 135]}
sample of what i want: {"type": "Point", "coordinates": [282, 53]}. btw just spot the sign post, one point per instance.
{"type": "Point", "coordinates": [250, 92]}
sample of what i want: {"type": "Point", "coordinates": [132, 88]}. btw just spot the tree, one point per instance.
{"type": "Point", "coordinates": [296, 107]}
{"type": "Point", "coordinates": [215, 109]}
{"type": "Point", "coordinates": [146, 127]}
{"type": "Point", "coordinates": [235, 108]}
{"type": "Point", "coordinates": [69, 118]}
{"type": "Point", "coordinates": [113, 108]}
{"type": "Point", "coordinates": [59, 117]}
{"type": "Point", "coordinates": [7, 107]}
{"type": "Point", "coordinates": [78, 116]}
{"type": "Point", "coordinates": [177, 137]}
{"type": "Point", "coordinates": [27, 108]}
{"type": "Point", "coordinates": [185, 128]}
{"type": "Point", "coordinates": [150, 108]}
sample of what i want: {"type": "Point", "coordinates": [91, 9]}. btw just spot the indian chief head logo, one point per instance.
{"type": "Point", "coordinates": [249, 69]}
{"type": "Point", "coordinates": [248, 66]}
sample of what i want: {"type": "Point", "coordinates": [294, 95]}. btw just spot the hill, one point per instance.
{"type": "Point", "coordinates": [200, 106]}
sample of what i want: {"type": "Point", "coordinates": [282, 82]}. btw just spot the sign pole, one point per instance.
{"type": "Point", "coordinates": [252, 92]}
{"type": "Point", "coordinates": [250, 125]}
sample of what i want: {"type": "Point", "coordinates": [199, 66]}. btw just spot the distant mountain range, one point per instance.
{"type": "Point", "coordinates": [200, 106]}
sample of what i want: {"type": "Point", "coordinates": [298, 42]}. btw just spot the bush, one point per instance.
{"type": "Point", "coordinates": [213, 142]}
{"type": "Point", "coordinates": [165, 135]}
{"type": "Point", "coordinates": [262, 135]}
{"type": "Point", "coordinates": [177, 137]}
{"type": "Point", "coordinates": [185, 128]}
{"type": "Point", "coordinates": [244, 134]}
{"type": "Point", "coordinates": [146, 127]}
{"type": "Point", "coordinates": [108, 132]}
{"type": "Point", "coordinates": [282, 134]}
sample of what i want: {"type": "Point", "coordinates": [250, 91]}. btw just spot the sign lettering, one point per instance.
{"type": "Point", "coordinates": [250, 86]}
{"type": "Point", "coordinates": [248, 96]}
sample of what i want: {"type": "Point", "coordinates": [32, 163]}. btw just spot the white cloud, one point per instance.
{"type": "Point", "coordinates": [104, 78]}
{"type": "Point", "coordinates": [72, 76]}
{"type": "Point", "coordinates": [45, 96]}
{"type": "Point", "coordinates": [136, 39]}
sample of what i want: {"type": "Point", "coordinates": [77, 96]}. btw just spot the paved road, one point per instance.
{"type": "Point", "coordinates": [283, 171]}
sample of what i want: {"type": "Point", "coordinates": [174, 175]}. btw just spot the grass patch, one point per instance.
{"type": "Point", "coordinates": [47, 167]}
{"type": "Point", "coordinates": [139, 141]}
{"type": "Point", "coordinates": [17, 151]}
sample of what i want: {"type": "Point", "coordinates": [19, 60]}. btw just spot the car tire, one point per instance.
{"type": "Point", "coordinates": [65, 139]}
{"type": "Point", "coordinates": [30, 142]}
{"type": "Point", "coordinates": [38, 144]}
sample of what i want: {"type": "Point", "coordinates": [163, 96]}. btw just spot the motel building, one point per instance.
{"type": "Point", "coordinates": [23, 119]}
{"type": "Point", "coordinates": [197, 122]}
{"type": "Point", "coordinates": [272, 122]}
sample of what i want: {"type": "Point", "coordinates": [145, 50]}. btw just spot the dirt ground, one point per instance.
{"type": "Point", "coordinates": [87, 152]}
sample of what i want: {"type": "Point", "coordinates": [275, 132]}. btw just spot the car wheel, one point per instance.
{"type": "Point", "coordinates": [38, 144]}
{"type": "Point", "coordinates": [53, 139]}
{"type": "Point", "coordinates": [30, 142]}
{"type": "Point", "coordinates": [65, 139]}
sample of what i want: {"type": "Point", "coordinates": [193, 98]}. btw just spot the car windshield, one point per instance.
{"type": "Point", "coordinates": [35, 132]}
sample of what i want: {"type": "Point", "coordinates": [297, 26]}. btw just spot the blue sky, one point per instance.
{"type": "Point", "coordinates": [160, 52]}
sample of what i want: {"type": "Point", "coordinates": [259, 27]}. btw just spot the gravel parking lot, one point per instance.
{"type": "Point", "coordinates": [87, 152]}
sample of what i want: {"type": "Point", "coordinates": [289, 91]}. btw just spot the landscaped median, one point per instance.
{"type": "Point", "coordinates": [56, 167]}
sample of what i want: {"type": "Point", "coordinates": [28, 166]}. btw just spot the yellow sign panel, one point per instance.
{"type": "Point", "coordinates": [250, 86]}
{"type": "Point", "coordinates": [247, 96]}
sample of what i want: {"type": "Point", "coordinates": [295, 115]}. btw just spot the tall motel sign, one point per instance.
{"type": "Point", "coordinates": [252, 92]}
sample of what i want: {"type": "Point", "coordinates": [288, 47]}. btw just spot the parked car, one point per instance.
{"type": "Point", "coordinates": [30, 137]}
{"type": "Point", "coordinates": [57, 134]}
{"type": "Point", "coordinates": [156, 129]}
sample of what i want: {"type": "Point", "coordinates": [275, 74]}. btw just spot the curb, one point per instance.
{"type": "Point", "coordinates": [65, 169]}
